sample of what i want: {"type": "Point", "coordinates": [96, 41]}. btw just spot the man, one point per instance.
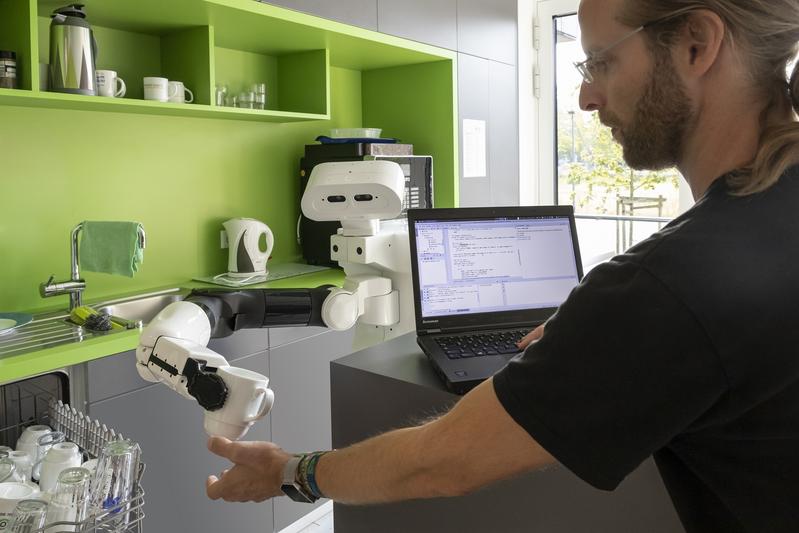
{"type": "Point", "coordinates": [685, 347]}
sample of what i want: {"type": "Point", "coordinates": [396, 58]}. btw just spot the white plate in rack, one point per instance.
{"type": "Point", "coordinates": [10, 321]}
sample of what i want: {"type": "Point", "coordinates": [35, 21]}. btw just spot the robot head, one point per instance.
{"type": "Point", "coordinates": [357, 193]}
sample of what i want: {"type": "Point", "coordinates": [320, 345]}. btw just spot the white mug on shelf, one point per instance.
{"type": "Point", "coordinates": [179, 93]}
{"type": "Point", "coordinates": [109, 84]}
{"type": "Point", "coordinates": [249, 399]}
{"type": "Point", "coordinates": [156, 89]}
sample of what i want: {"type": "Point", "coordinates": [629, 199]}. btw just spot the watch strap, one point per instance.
{"type": "Point", "coordinates": [290, 485]}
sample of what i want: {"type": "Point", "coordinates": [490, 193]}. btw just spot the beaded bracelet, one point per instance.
{"type": "Point", "coordinates": [306, 473]}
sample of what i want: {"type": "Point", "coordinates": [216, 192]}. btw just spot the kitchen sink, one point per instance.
{"type": "Point", "coordinates": [54, 329]}
{"type": "Point", "coordinates": [140, 309]}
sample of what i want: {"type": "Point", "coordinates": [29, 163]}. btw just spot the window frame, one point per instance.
{"type": "Point", "coordinates": [544, 168]}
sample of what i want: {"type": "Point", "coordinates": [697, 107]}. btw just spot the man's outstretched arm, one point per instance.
{"type": "Point", "coordinates": [475, 444]}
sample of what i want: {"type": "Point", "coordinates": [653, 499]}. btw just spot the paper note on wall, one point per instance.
{"type": "Point", "coordinates": [474, 148]}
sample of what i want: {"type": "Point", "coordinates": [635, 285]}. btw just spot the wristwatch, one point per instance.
{"type": "Point", "coordinates": [290, 486]}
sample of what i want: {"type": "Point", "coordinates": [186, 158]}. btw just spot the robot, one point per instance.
{"type": "Point", "coordinates": [375, 298]}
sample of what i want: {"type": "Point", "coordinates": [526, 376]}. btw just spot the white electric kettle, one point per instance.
{"type": "Point", "coordinates": [246, 259]}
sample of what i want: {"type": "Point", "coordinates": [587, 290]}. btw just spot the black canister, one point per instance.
{"type": "Point", "coordinates": [8, 69]}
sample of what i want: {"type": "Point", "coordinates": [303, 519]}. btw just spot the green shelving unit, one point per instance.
{"type": "Point", "coordinates": [182, 169]}
{"type": "Point", "coordinates": [204, 43]}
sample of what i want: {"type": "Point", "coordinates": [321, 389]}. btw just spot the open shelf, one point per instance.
{"type": "Point", "coordinates": [48, 100]}
{"type": "Point", "coordinates": [205, 43]}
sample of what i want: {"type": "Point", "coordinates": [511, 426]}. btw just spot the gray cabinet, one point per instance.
{"type": "Point", "coordinates": [488, 29]}
{"type": "Point", "coordinates": [503, 134]}
{"type": "Point", "coordinates": [361, 13]}
{"type": "Point", "coordinates": [116, 374]}
{"type": "Point", "coordinates": [473, 104]}
{"type": "Point", "coordinates": [170, 428]}
{"type": "Point", "coordinates": [300, 377]}
{"type": "Point", "coordinates": [170, 431]}
{"type": "Point", "coordinates": [427, 22]}
{"type": "Point", "coordinates": [487, 91]}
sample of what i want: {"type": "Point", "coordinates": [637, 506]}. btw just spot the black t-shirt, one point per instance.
{"type": "Point", "coordinates": [685, 347]}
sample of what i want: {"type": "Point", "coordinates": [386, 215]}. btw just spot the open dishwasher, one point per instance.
{"type": "Point", "coordinates": [40, 400]}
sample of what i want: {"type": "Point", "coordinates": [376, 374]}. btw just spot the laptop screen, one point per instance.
{"type": "Point", "coordinates": [510, 262]}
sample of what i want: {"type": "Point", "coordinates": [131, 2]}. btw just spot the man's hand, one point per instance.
{"type": "Point", "coordinates": [256, 474]}
{"type": "Point", "coordinates": [531, 337]}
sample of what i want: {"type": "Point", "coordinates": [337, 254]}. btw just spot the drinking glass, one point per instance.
{"type": "Point", "coordinates": [43, 445]}
{"type": "Point", "coordinates": [115, 478]}
{"type": "Point", "coordinates": [221, 93]}
{"type": "Point", "coordinates": [23, 463]}
{"type": "Point", "coordinates": [70, 500]}
{"type": "Point", "coordinates": [7, 468]}
{"type": "Point", "coordinates": [232, 100]}
{"type": "Point", "coordinates": [5, 450]}
{"type": "Point", "coordinates": [247, 100]}
{"type": "Point", "coordinates": [259, 91]}
{"type": "Point", "coordinates": [29, 516]}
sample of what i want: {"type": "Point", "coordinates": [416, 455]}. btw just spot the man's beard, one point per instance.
{"type": "Point", "coordinates": [654, 139]}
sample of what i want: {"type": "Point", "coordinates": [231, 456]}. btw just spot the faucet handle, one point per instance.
{"type": "Point", "coordinates": [46, 288]}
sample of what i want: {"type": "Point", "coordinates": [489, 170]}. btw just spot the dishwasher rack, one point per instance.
{"type": "Point", "coordinates": [90, 435]}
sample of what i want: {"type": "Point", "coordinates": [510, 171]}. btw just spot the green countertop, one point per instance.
{"type": "Point", "coordinates": [37, 362]}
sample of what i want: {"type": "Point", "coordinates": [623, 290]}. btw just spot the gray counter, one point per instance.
{"type": "Point", "coordinates": [392, 385]}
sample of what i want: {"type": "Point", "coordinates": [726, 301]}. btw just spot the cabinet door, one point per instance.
{"type": "Point", "coordinates": [113, 375]}
{"type": "Point", "coordinates": [300, 377]}
{"type": "Point", "coordinates": [169, 429]}
{"type": "Point", "coordinates": [116, 374]}
{"type": "Point", "coordinates": [488, 29]}
{"type": "Point", "coordinates": [503, 134]}
{"type": "Point", "coordinates": [361, 13]}
{"type": "Point", "coordinates": [420, 20]}
{"type": "Point", "coordinates": [241, 344]}
{"type": "Point", "coordinates": [473, 98]}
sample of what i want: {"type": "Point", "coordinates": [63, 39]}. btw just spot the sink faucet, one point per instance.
{"type": "Point", "coordinates": [75, 285]}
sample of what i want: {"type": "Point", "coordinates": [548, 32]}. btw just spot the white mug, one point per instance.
{"type": "Point", "coordinates": [58, 458]}
{"type": "Point", "coordinates": [109, 84]}
{"type": "Point", "coordinates": [156, 89]}
{"type": "Point", "coordinates": [249, 399]}
{"type": "Point", "coordinates": [179, 93]}
{"type": "Point", "coordinates": [29, 440]}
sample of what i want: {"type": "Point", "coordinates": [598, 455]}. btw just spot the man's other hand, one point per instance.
{"type": "Point", "coordinates": [531, 337]}
{"type": "Point", "coordinates": [256, 473]}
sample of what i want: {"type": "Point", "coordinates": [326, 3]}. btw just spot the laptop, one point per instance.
{"type": "Point", "coordinates": [483, 278]}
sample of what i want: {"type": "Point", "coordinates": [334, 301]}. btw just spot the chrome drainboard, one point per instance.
{"type": "Point", "coordinates": [52, 329]}
{"type": "Point", "coordinates": [40, 334]}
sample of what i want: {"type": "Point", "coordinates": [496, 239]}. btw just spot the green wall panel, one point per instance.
{"type": "Point", "coordinates": [16, 34]}
{"type": "Point", "coordinates": [417, 104]}
{"type": "Point", "coordinates": [180, 177]}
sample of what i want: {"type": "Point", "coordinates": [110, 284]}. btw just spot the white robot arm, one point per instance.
{"type": "Point", "coordinates": [173, 347]}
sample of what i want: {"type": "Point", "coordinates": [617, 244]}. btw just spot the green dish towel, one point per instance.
{"type": "Point", "coordinates": [111, 247]}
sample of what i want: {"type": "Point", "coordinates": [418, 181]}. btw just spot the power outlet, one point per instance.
{"type": "Point", "coordinates": [223, 242]}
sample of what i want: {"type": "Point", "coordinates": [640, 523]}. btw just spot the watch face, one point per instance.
{"type": "Point", "coordinates": [296, 494]}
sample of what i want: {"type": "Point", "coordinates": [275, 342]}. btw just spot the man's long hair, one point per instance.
{"type": "Point", "coordinates": [764, 35]}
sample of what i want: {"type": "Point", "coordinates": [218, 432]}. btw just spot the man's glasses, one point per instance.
{"type": "Point", "coordinates": [590, 66]}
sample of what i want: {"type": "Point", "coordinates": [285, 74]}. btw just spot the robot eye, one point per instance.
{"type": "Point", "coordinates": [336, 199]}
{"type": "Point", "coordinates": [363, 198]}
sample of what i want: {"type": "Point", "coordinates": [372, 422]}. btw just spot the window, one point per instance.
{"type": "Point", "coordinates": [580, 164]}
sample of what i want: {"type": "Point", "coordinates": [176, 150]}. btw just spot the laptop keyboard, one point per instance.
{"type": "Point", "coordinates": [480, 344]}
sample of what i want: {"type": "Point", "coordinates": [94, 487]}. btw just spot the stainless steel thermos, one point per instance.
{"type": "Point", "coordinates": [73, 52]}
